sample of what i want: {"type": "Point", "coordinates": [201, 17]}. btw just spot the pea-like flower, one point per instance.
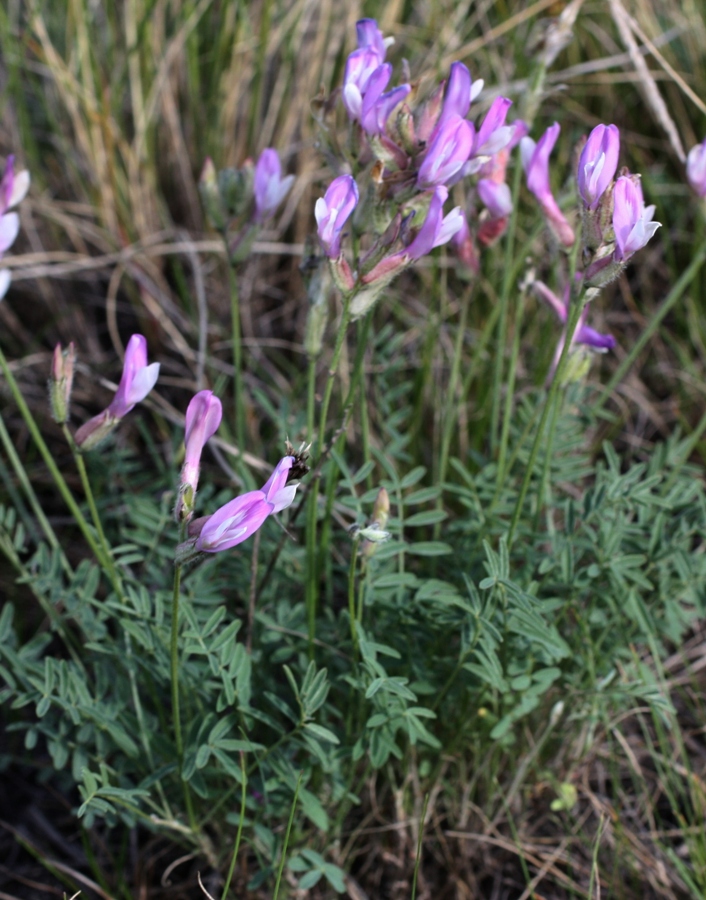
{"type": "Point", "coordinates": [496, 197]}
{"type": "Point", "coordinates": [493, 134]}
{"type": "Point", "coordinates": [13, 188]}
{"type": "Point", "coordinates": [696, 168]}
{"type": "Point", "coordinates": [237, 520]}
{"type": "Point", "coordinates": [269, 187]}
{"type": "Point", "coordinates": [136, 382]}
{"type": "Point", "coordinates": [535, 161]}
{"type": "Point", "coordinates": [437, 229]}
{"type": "Point", "coordinates": [447, 153]}
{"type": "Point", "coordinates": [597, 163]}
{"type": "Point", "coordinates": [583, 334]}
{"type": "Point", "coordinates": [203, 416]}
{"type": "Point", "coordinates": [632, 220]}
{"type": "Point", "coordinates": [333, 210]}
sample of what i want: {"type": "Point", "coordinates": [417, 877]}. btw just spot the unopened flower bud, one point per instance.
{"type": "Point", "coordinates": [342, 275]}
{"type": "Point", "coordinates": [61, 381]}
{"type": "Point", "coordinates": [211, 195]}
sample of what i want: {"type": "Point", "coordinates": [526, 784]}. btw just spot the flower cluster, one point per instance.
{"type": "Point", "coordinates": [615, 221]}
{"type": "Point", "coordinates": [412, 154]}
{"type": "Point", "coordinates": [13, 188]}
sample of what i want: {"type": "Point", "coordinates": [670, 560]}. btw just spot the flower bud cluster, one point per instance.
{"type": "Point", "coordinates": [615, 223]}
{"type": "Point", "coordinates": [402, 158]}
{"type": "Point", "coordinates": [238, 202]}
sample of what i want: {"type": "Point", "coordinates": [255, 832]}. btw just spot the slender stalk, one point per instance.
{"type": "Point", "coordinates": [546, 468]}
{"type": "Point", "coordinates": [26, 485]}
{"type": "Point", "coordinates": [239, 834]}
{"type": "Point", "coordinates": [508, 270]}
{"type": "Point", "coordinates": [510, 391]}
{"type": "Point", "coordinates": [238, 386]}
{"type": "Point", "coordinates": [574, 315]}
{"type": "Point", "coordinates": [310, 400]}
{"type": "Point", "coordinates": [311, 544]}
{"type": "Point", "coordinates": [49, 461]}
{"type": "Point", "coordinates": [176, 714]}
{"type": "Point", "coordinates": [669, 301]}
{"type": "Point", "coordinates": [108, 562]}
{"type": "Point", "coordinates": [286, 837]}
{"type": "Point", "coordinates": [451, 420]}
{"type": "Point", "coordinates": [351, 595]}
{"type": "Point", "coordinates": [420, 839]}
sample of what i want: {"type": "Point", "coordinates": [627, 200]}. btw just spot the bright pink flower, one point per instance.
{"type": "Point", "coordinates": [237, 520]}
{"type": "Point", "coordinates": [597, 164]}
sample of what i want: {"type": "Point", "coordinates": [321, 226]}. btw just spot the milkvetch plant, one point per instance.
{"type": "Point", "coordinates": [242, 646]}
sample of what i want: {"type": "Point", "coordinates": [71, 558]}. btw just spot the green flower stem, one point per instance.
{"type": "Point", "coordinates": [508, 270]}
{"type": "Point", "coordinates": [669, 301]}
{"type": "Point", "coordinates": [310, 400]}
{"type": "Point", "coordinates": [108, 561]}
{"type": "Point", "coordinates": [574, 315]}
{"type": "Point", "coordinates": [46, 455]}
{"type": "Point", "coordinates": [313, 493]}
{"type": "Point", "coordinates": [351, 596]}
{"type": "Point", "coordinates": [238, 388]}
{"type": "Point", "coordinates": [176, 714]}
{"type": "Point", "coordinates": [36, 506]}
{"type": "Point", "coordinates": [288, 832]}
{"type": "Point", "coordinates": [546, 467]}
{"type": "Point", "coordinates": [510, 391]}
{"type": "Point", "coordinates": [239, 834]}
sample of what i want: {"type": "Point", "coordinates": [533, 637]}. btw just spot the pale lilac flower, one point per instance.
{"type": "Point", "coordinates": [9, 227]}
{"type": "Point", "coordinates": [333, 210]}
{"type": "Point", "coordinates": [597, 164]}
{"type": "Point", "coordinates": [269, 187]}
{"type": "Point", "coordinates": [493, 135]}
{"type": "Point", "coordinates": [447, 153]}
{"type": "Point", "coordinates": [535, 161]}
{"type": "Point", "coordinates": [696, 168]}
{"type": "Point", "coordinates": [136, 382]}
{"type": "Point", "coordinates": [137, 379]}
{"type": "Point", "coordinates": [5, 279]}
{"type": "Point", "coordinates": [377, 106]}
{"type": "Point", "coordinates": [496, 197]}
{"type": "Point", "coordinates": [13, 187]}
{"type": "Point", "coordinates": [583, 334]}
{"type": "Point", "coordinates": [632, 220]}
{"type": "Point", "coordinates": [203, 416]}
{"type": "Point", "coordinates": [437, 229]}
{"type": "Point", "coordinates": [237, 520]}
{"type": "Point", "coordinates": [360, 67]}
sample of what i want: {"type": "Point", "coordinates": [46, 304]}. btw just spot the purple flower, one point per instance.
{"type": "Point", "coordinates": [437, 229]}
{"type": "Point", "coordinates": [136, 382]}
{"type": "Point", "coordinates": [535, 161]}
{"type": "Point", "coordinates": [447, 153]}
{"type": "Point", "coordinates": [370, 37]}
{"type": "Point", "coordinates": [333, 210]}
{"type": "Point", "coordinates": [632, 220]}
{"type": "Point", "coordinates": [494, 134]}
{"type": "Point", "coordinates": [9, 227]}
{"type": "Point", "coordinates": [583, 334]}
{"type": "Point", "coordinates": [457, 98]}
{"type": "Point", "coordinates": [203, 416]}
{"type": "Point", "coordinates": [270, 187]}
{"type": "Point", "coordinates": [496, 197]}
{"type": "Point", "coordinates": [237, 520]}
{"type": "Point", "coordinates": [360, 66]}
{"type": "Point", "coordinates": [376, 106]}
{"type": "Point", "coordinates": [597, 164]}
{"type": "Point", "coordinates": [137, 379]}
{"type": "Point", "coordinates": [696, 168]}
